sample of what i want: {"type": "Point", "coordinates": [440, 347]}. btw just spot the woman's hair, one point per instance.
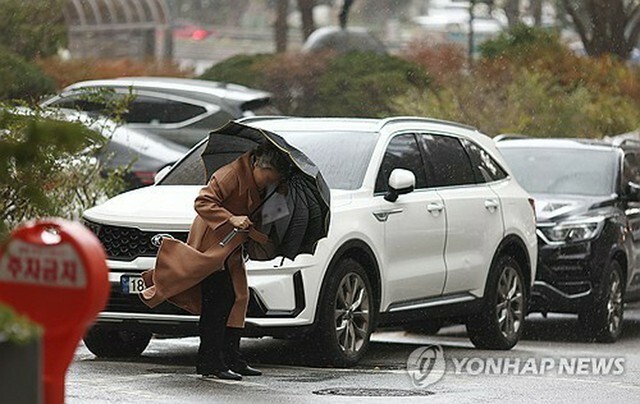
{"type": "Point", "coordinates": [268, 156]}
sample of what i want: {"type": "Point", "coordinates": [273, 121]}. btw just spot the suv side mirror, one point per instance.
{"type": "Point", "coordinates": [401, 182]}
{"type": "Point", "coordinates": [633, 190]}
{"type": "Point", "coordinates": [161, 174]}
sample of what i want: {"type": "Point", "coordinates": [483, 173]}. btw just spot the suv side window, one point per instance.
{"type": "Point", "coordinates": [81, 103]}
{"type": "Point", "coordinates": [402, 152]}
{"type": "Point", "coordinates": [631, 169]}
{"type": "Point", "coordinates": [145, 109]}
{"type": "Point", "coordinates": [446, 161]}
{"type": "Point", "coordinates": [486, 168]}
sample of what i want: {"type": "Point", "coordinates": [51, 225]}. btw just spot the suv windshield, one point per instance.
{"type": "Point", "coordinates": [343, 158]}
{"type": "Point", "coordinates": [562, 170]}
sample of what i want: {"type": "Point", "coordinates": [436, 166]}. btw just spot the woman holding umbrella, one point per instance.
{"type": "Point", "coordinates": [233, 192]}
{"type": "Point", "coordinates": [229, 213]}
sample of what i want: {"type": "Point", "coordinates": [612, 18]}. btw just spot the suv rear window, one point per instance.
{"type": "Point", "coordinates": [486, 168]}
{"type": "Point", "coordinates": [447, 162]}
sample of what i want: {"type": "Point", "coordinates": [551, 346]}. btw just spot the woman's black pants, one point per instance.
{"type": "Point", "coordinates": [217, 299]}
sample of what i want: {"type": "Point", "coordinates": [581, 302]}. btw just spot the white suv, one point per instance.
{"type": "Point", "coordinates": [427, 223]}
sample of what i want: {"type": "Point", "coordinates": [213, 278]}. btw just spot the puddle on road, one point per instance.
{"type": "Point", "coordinates": [361, 392]}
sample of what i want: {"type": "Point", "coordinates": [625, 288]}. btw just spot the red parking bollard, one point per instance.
{"type": "Point", "coordinates": [55, 272]}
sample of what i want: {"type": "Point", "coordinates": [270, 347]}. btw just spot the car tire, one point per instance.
{"type": "Point", "coordinates": [426, 327]}
{"type": "Point", "coordinates": [113, 343]}
{"type": "Point", "coordinates": [346, 316]}
{"type": "Point", "coordinates": [603, 319]}
{"type": "Point", "coordinates": [500, 323]}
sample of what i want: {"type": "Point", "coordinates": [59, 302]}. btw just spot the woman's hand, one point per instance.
{"type": "Point", "coordinates": [241, 222]}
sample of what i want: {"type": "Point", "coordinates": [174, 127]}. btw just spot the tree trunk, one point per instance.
{"type": "Point", "coordinates": [604, 27]}
{"type": "Point", "coordinates": [281, 26]}
{"type": "Point", "coordinates": [344, 13]}
{"type": "Point", "coordinates": [536, 10]}
{"type": "Point", "coordinates": [512, 10]}
{"type": "Point", "coordinates": [306, 15]}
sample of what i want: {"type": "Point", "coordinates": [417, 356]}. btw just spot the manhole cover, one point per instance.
{"type": "Point", "coordinates": [360, 392]}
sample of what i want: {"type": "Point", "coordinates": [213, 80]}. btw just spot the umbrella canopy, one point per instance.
{"type": "Point", "coordinates": [294, 222]}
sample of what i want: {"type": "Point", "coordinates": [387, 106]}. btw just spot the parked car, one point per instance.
{"type": "Point", "coordinates": [180, 110]}
{"type": "Point", "coordinates": [587, 197]}
{"type": "Point", "coordinates": [427, 223]}
{"type": "Point", "coordinates": [143, 154]}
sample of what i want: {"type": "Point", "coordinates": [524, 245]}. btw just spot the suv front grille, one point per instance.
{"type": "Point", "coordinates": [127, 243]}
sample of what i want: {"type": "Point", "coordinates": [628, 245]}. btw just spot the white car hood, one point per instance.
{"type": "Point", "coordinates": [163, 207]}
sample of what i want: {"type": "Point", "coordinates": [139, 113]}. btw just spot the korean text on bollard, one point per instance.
{"type": "Point", "coordinates": [55, 272]}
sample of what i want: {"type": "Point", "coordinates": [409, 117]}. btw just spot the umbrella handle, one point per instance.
{"type": "Point", "coordinates": [230, 236]}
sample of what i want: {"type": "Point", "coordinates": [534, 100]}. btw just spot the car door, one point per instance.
{"type": "Point", "coordinates": [414, 228]}
{"type": "Point", "coordinates": [631, 173]}
{"type": "Point", "coordinates": [474, 219]}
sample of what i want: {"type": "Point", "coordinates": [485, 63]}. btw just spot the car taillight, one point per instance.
{"type": "Point", "coordinates": [145, 177]}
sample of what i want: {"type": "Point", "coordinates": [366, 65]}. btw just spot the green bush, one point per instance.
{"type": "Point", "coordinates": [46, 169]}
{"type": "Point", "coordinates": [240, 69]}
{"type": "Point", "coordinates": [32, 28]}
{"type": "Point", "coordinates": [529, 103]}
{"type": "Point", "coordinates": [17, 329]}
{"type": "Point", "coordinates": [521, 41]}
{"type": "Point", "coordinates": [20, 79]}
{"type": "Point", "coordinates": [362, 84]}
{"type": "Point", "coordinates": [354, 84]}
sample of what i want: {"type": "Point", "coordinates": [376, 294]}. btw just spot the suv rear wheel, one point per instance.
{"type": "Point", "coordinates": [499, 325]}
{"type": "Point", "coordinates": [603, 319]}
{"type": "Point", "coordinates": [346, 315]}
{"type": "Point", "coordinates": [112, 343]}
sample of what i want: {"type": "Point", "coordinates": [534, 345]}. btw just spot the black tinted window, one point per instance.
{"type": "Point", "coordinates": [159, 110]}
{"type": "Point", "coordinates": [81, 103]}
{"type": "Point", "coordinates": [631, 168]}
{"type": "Point", "coordinates": [486, 168]}
{"type": "Point", "coordinates": [142, 109]}
{"type": "Point", "coordinates": [190, 171]}
{"type": "Point", "coordinates": [446, 161]}
{"type": "Point", "coordinates": [402, 152]}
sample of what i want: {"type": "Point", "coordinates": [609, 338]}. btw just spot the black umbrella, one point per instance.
{"type": "Point", "coordinates": [307, 199]}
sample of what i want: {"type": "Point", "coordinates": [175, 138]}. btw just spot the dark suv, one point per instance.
{"type": "Point", "coordinates": [587, 196]}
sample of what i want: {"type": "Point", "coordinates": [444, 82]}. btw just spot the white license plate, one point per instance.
{"type": "Point", "coordinates": [131, 284]}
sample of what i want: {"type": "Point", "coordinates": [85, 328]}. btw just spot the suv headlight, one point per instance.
{"type": "Point", "coordinates": [573, 231]}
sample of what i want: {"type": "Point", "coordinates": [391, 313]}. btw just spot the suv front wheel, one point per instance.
{"type": "Point", "coordinates": [113, 343]}
{"type": "Point", "coordinates": [346, 315]}
{"type": "Point", "coordinates": [603, 319]}
{"type": "Point", "coordinates": [499, 324]}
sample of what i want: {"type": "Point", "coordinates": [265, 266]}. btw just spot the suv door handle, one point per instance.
{"type": "Point", "coordinates": [491, 205]}
{"type": "Point", "coordinates": [435, 207]}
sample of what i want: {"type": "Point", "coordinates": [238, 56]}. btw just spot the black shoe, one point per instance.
{"type": "Point", "coordinates": [246, 370]}
{"type": "Point", "coordinates": [223, 375]}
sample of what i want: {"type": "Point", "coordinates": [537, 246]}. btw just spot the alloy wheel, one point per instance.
{"type": "Point", "coordinates": [510, 304]}
{"type": "Point", "coordinates": [614, 304]}
{"type": "Point", "coordinates": [352, 316]}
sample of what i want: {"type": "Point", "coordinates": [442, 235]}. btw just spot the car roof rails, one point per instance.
{"type": "Point", "coordinates": [622, 142]}
{"type": "Point", "coordinates": [249, 119]}
{"type": "Point", "coordinates": [510, 136]}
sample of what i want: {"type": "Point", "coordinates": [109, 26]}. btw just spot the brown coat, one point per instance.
{"type": "Point", "coordinates": [181, 267]}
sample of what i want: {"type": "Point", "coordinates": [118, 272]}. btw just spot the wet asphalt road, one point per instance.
{"type": "Point", "coordinates": [165, 372]}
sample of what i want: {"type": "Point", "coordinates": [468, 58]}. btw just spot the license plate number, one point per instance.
{"type": "Point", "coordinates": [131, 284]}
